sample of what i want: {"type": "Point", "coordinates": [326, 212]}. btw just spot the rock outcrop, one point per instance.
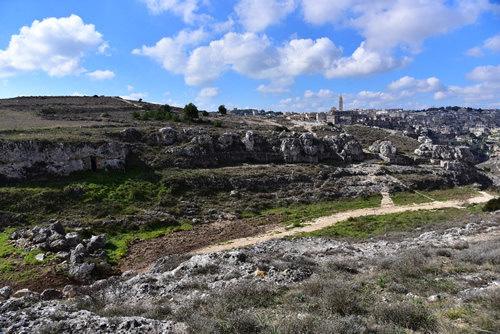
{"type": "Point", "coordinates": [205, 150]}
{"type": "Point", "coordinates": [30, 159]}
{"type": "Point", "coordinates": [76, 256]}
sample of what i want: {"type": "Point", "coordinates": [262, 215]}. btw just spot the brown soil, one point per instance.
{"type": "Point", "coordinates": [43, 277]}
{"type": "Point", "coordinates": [143, 253]}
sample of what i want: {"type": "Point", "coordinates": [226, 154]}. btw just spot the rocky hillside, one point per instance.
{"type": "Point", "coordinates": [440, 279]}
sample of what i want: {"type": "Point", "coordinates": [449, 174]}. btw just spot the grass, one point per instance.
{"type": "Point", "coordinates": [369, 226]}
{"type": "Point", "coordinates": [418, 197]}
{"type": "Point", "coordinates": [297, 214]}
{"type": "Point", "coordinates": [90, 194]}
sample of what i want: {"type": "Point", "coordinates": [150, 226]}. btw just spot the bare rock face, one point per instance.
{"type": "Point", "coordinates": [443, 152]}
{"type": "Point", "coordinates": [27, 159]}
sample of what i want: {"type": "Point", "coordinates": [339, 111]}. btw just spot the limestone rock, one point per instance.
{"type": "Point", "coordinates": [24, 293]}
{"type": "Point", "coordinates": [72, 239]}
{"type": "Point", "coordinates": [50, 294]}
{"type": "Point", "coordinates": [96, 242]}
{"type": "Point", "coordinates": [6, 292]}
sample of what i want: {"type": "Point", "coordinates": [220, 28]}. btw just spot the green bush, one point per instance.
{"type": "Point", "coordinates": [492, 205]}
{"type": "Point", "coordinates": [190, 112]}
{"type": "Point", "coordinates": [218, 124]}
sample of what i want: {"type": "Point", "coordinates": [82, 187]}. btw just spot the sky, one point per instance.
{"type": "Point", "coordinates": [281, 55]}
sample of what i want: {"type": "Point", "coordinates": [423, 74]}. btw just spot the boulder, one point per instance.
{"type": "Point", "coordinates": [50, 294]}
{"type": "Point", "coordinates": [57, 227]}
{"type": "Point", "coordinates": [81, 271]}
{"type": "Point", "coordinates": [96, 242]}
{"type": "Point", "coordinates": [72, 239]}
{"type": "Point", "coordinates": [6, 292]}
{"type": "Point", "coordinates": [69, 291]}
{"type": "Point", "coordinates": [24, 293]}
{"type": "Point", "coordinates": [58, 245]}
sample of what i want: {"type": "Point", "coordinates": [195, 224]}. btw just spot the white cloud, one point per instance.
{"type": "Point", "coordinates": [103, 48]}
{"type": "Point", "coordinates": [376, 20]}
{"type": "Point", "coordinates": [135, 96]}
{"type": "Point", "coordinates": [183, 8]}
{"type": "Point", "coordinates": [493, 43]}
{"type": "Point", "coordinates": [130, 88]}
{"type": "Point", "coordinates": [257, 15]}
{"type": "Point", "coordinates": [485, 73]}
{"type": "Point", "coordinates": [365, 62]}
{"type": "Point", "coordinates": [101, 75]}
{"type": "Point", "coordinates": [206, 95]}
{"type": "Point", "coordinates": [475, 52]}
{"type": "Point", "coordinates": [77, 94]}
{"type": "Point", "coordinates": [209, 92]}
{"type": "Point", "coordinates": [53, 45]}
{"type": "Point", "coordinates": [428, 85]}
{"type": "Point", "coordinates": [247, 54]}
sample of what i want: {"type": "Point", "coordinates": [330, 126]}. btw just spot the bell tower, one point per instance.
{"type": "Point", "coordinates": [341, 103]}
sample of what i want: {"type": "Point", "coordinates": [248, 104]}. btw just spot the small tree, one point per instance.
{"type": "Point", "coordinates": [222, 109]}
{"type": "Point", "coordinates": [136, 115]}
{"type": "Point", "coordinates": [190, 112]}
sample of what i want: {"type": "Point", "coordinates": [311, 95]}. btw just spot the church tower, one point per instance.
{"type": "Point", "coordinates": [341, 103]}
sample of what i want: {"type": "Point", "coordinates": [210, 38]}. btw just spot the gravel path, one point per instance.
{"type": "Point", "coordinates": [323, 222]}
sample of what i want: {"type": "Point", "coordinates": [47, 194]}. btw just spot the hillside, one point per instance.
{"type": "Point", "coordinates": [105, 201]}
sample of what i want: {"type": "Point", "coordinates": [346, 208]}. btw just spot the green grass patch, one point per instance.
{"type": "Point", "coordinates": [92, 194]}
{"type": "Point", "coordinates": [418, 197]}
{"type": "Point", "coordinates": [369, 226]}
{"type": "Point", "coordinates": [297, 214]}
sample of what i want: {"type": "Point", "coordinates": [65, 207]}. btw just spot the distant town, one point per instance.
{"type": "Point", "coordinates": [447, 125]}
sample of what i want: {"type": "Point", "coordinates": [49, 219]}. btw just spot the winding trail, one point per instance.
{"type": "Point", "coordinates": [386, 207]}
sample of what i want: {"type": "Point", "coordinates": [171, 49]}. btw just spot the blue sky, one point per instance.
{"type": "Point", "coordinates": [288, 55]}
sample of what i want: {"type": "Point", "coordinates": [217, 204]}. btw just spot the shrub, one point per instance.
{"type": "Point", "coordinates": [407, 315]}
{"type": "Point", "coordinates": [136, 115]}
{"type": "Point", "coordinates": [190, 111]}
{"type": "Point", "coordinates": [222, 109]}
{"type": "Point", "coordinates": [492, 205]}
{"type": "Point", "coordinates": [217, 124]}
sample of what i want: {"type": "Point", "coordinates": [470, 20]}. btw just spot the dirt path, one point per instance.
{"type": "Point", "coordinates": [330, 220]}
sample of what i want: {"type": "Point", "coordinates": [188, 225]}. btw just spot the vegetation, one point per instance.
{"type": "Point", "coordinates": [492, 205]}
{"type": "Point", "coordinates": [369, 226]}
{"type": "Point", "coordinates": [297, 214]}
{"type": "Point", "coordinates": [222, 109]}
{"type": "Point", "coordinates": [417, 197]}
{"type": "Point", "coordinates": [190, 112]}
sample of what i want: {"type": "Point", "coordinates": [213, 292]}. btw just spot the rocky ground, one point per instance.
{"type": "Point", "coordinates": [436, 278]}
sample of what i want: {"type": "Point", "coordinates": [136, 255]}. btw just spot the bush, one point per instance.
{"type": "Point", "coordinates": [492, 205]}
{"type": "Point", "coordinates": [222, 109]}
{"type": "Point", "coordinates": [407, 315]}
{"type": "Point", "coordinates": [218, 124]}
{"type": "Point", "coordinates": [136, 115]}
{"type": "Point", "coordinates": [190, 111]}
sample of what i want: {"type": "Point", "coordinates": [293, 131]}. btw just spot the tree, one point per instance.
{"type": "Point", "coordinates": [190, 111]}
{"type": "Point", "coordinates": [222, 109]}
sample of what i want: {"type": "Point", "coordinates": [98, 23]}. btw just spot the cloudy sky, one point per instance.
{"type": "Point", "coordinates": [288, 55]}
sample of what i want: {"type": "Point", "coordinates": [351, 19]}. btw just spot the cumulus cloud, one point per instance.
{"type": "Point", "coordinates": [101, 75]}
{"type": "Point", "coordinates": [53, 45]}
{"type": "Point", "coordinates": [257, 15]}
{"type": "Point", "coordinates": [376, 20]}
{"type": "Point", "coordinates": [183, 8]}
{"type": "Point", "coordinates": [491, 44]}
{"type": "Point", "coordinates": [428, 85]}
{"type": "Point", "coordinates": [365, 62]}
{"type": "Point", "coordinates": [206, 95]}
{"type": "Point", "coordinates": [485, 73]}
{"type": "Point", "coordinates": [248, 54]}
